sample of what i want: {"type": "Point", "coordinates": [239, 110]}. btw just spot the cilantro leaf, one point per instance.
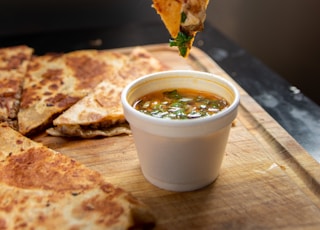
{"type": "Point", "coordinates": [181, 41]}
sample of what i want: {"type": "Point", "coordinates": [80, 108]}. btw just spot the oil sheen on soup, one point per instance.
{"type": "Point", "coordinates": [180, 104]}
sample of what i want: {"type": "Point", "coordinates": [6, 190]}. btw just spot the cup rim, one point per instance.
{"type": "Point", "coordinates": [180, 122]}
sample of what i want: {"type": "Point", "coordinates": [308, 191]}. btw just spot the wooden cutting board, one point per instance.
{"type": "Point", "coordinates": [267, 180]}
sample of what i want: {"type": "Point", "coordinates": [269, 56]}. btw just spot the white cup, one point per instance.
{"type": "Point", "coordinates": [180, 155]}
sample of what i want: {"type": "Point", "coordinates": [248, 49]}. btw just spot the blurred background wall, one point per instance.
{"type": "Point", "coordinates": [284, 34]}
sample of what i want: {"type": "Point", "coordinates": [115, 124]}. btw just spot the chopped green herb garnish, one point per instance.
{"type": "Point", "coordinates": [181, 41]}
{"type": "Point", "coordinates": [183, 17]}
{"type": "Point", "coordinates": [172, 94]}
{"type": "Point", "coordinates": [180, 104]}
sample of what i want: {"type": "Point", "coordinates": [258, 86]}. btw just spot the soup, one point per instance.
{"type": "Point", "coordinates": [180, 104]}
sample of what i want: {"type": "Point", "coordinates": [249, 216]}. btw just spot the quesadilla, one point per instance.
{"type": "Point", "coordinates": [100, 113]}
{"type": "Point", "coordinates": [183, 20]}
{"type": "Point", "coordinates": [54, 82]}
{"type": "Point", "coordinates": [44, 189]}
{"type": "Point", "coordinates": [13, 66]}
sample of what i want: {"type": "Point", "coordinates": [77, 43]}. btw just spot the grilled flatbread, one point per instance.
{"type": "Point", "coordinates": [54, 82]}
{"type": "Point", "coordinates": [183, 20]}
{"type": "Point", "coordinates": [43, 189]}
{"type": "Point", "coordinates": [100, 113]}
{"type": "Point", "coordinates": [13, 66]}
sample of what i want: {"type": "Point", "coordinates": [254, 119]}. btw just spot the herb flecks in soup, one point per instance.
{"type": "Point", "coordinates": [180, 104]}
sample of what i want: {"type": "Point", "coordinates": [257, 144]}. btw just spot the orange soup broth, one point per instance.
{"type": "Point", "coordinates": [180, 103]}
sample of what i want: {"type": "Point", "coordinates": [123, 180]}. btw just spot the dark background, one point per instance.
{"type": "Point", "coordinates": [283, 34]}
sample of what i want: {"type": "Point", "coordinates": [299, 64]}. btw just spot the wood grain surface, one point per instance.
{"type": "Point", "coordinates": [267, 180]}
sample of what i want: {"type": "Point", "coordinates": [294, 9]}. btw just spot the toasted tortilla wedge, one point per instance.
{"type": "Point", "coordinates": [100, 113]}
{"type": "Point", "coordinates": [43, 189]}
{"type": "Point", "coordinates": [183, 20]}
{"type": "Point", "coordinates": [54, 82]}
{"type": "Point", "coordinates": [13, 66]}
{"type": "Point", "coordinates": [170, 13]}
